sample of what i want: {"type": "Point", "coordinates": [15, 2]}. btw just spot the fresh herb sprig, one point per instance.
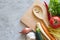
{"type": "Point", "coordinates": [54, 7]}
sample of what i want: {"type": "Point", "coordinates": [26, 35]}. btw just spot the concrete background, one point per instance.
{"type": "Point", "coordinates": [10, 13]}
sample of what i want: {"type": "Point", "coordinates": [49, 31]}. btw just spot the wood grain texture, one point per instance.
{"type": "Point", "coordinates": [28, 18]}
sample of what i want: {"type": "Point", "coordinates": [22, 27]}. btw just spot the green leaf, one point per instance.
{"type": "Point", "coordinates": [54, 7]}
{"type": "Point", "coordinates": [56, 0]}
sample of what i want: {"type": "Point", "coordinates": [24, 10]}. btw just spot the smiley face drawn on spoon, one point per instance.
{"type": "Point", "coordinates": [38, 12]}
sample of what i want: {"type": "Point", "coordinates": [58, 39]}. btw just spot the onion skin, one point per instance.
{"type": "Point", "coordinates": [26, 30]}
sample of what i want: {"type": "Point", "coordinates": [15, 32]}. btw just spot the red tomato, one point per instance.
{"type": "Point", "coordinates": [55, 22]}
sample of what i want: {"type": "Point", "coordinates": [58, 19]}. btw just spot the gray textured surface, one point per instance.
{"type": "Point", "coordinates": [10, 14]}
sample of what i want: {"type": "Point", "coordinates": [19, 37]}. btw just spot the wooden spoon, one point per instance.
{"type": "Point", "coordinates": [41, 29]}
{"type": "Point", "coordinates": [40, 13]}
{"type": "Point", "coordinates": [45, 31]}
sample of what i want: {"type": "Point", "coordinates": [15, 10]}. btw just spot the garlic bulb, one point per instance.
{"type": "Point", "coordinates": [30, 36]}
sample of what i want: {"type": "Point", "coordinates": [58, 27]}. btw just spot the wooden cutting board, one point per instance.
{"type": "Point", "coordinates": [28, 18]}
